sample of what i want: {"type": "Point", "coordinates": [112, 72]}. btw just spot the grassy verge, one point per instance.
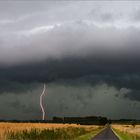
{"type": "Point", "coordinates": [90, 135]}
{"type": "Point", "coordinates": [125, 135]}
{"type": "Point", "coordinates": [57, 134]}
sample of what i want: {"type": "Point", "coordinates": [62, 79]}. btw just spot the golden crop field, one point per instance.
{"type": "Point", "coordinates": [17, 127]}
{"type": "Point", "coordinates": [129, 130]}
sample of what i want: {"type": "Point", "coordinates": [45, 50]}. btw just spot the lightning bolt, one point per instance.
{"type": "Point", "coordinates": [41, 104]}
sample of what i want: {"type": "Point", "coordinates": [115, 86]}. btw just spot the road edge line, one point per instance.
{"type": "Point", "coordinates": [116, 134]}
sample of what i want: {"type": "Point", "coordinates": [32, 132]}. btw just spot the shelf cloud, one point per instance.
{"type": "Point", "coordinates": [84, 44]}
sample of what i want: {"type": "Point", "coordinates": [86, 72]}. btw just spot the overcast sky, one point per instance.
{"type": "Point", "coordinates": [87, 52]}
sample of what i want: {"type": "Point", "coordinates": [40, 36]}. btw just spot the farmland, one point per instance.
{"type": "Point", "coordinates": [127, 132]}
{"type": "Point", "coordinates": [40, 131]}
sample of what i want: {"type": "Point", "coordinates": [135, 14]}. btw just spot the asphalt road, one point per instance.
{"type": "Point", "coordinates": [106, 134]}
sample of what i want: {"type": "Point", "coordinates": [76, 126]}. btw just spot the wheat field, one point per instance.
{"type": "Point", "coordinates": [130, 130]}
{"type": "Point", "coordinates": [17, 127]}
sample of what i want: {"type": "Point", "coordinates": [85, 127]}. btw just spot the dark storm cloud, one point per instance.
{"type": "Point", "coordinates": [133, 95]}
{"type": "Point", "coordinates": [91, 43]}
{"type": "Point", "coordinates": [14, 86]}
{"type": "Point", "coordinates": [113, 59]}
{"type": "Point", "coordinates": [78, 73]}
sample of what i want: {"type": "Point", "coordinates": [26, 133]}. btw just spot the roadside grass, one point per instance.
{"type": "Point", "coordinates": [90, 135]}
{"type": "Point", "coordinates": [51, 134]}
{"type": "Point", "coordinates": [125, 135]}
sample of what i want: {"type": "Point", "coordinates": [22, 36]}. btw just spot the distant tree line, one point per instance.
{"type": "Point", "coordinates": [126, 121]}
{"type": "Point", "coordinates": [90, 120]}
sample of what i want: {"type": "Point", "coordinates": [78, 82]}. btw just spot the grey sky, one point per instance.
{"type": "Point", "coordinates": [38, 30]}
{"type": "Point", "coordinates": [92, 46]}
